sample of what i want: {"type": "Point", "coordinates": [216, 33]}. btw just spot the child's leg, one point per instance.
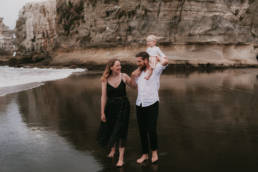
{"type": "Point", "coordinates": [149, 73]}
{"type": "Point", "coordinates": [152, 60]}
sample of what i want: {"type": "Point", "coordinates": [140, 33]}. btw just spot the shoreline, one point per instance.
{"type": "Point", "coordinates": [33, 78]}
{"type": "Point", "coordinates": [184, 57]}
{"type": "Point", "coordinates": [173, 66]}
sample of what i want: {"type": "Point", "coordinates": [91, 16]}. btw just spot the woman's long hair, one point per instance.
{"type": "Point", "coordinates": [107, 72]}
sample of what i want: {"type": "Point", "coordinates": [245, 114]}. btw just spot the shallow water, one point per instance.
{"type": "Point", "coordinates": [14, 80]}
{"type": "Point", "coordinates": [207, 122]}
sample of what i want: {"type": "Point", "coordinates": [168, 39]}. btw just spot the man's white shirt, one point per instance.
{"type": "Point", "coordinates": [148, 89]}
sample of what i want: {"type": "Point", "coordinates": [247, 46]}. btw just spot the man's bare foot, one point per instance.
{"type": "Point", "coordinates": [111, 154]}
{"type": "Point", "coordinates": [154, 157]}
{"type": "Point", "coordinates": [119, 163]}
{"type": "Point", "coordinates": [142, 159]}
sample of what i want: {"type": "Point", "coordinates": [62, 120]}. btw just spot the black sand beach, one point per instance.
{"type": "Point", "coordinates": [207, 122]}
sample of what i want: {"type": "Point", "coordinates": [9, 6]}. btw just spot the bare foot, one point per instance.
{"type": "Point", "coordinates": [142, 159]}
{"type": "Point", "coordinates": [111, 154]}
{"type": "Point", "coordinates": [120, 163]}
{"type": "Point", "coordinates": [154, 157]}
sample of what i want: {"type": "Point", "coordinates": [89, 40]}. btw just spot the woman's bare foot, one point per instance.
{"type": "Point", "coordinates": [119, 163]}
{"type": "Point", "coordinates": [111, 153]}
{"type": "Point", "coordinates": [154, 157]}
{"type": "Point", "coordinates": [142, 159]}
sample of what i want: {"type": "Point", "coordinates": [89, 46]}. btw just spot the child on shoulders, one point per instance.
{"type": "Point", "coordinates": [154, 52]}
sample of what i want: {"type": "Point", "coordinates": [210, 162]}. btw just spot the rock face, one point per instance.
{"type": "Point", "coordinates": [6, 39]}
{"type": "Point", "coordinates": [186, 26]}
{"type": "Point", "coordinates": [36, 28]}
{"type": "Point", "coordinates": [122, 22]}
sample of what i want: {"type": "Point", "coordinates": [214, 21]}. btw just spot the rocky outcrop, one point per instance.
{"type": "Point", "coordinates": [36, 27]}
{"type": "Point", "coordinates": [122, 22]}
{"type": "Point", "coordinates": [6, 39]}
{"type": "Point", "coordinates": [198, 31]}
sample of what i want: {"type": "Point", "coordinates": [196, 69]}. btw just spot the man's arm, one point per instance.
{"type": "Point", "coordinates": [135, 74]}
{"type": "Point", "coordinates": [163, 60]}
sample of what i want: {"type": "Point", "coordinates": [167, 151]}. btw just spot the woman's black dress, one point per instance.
{"type": "Point", "coordinates": [117, 111]}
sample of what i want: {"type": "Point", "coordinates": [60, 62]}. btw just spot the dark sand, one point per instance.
{"type": "Point", "coordinates": [208, 122]}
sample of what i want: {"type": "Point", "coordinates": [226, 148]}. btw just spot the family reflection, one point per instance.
{"type": "Point", "coordinates": [200, 113]}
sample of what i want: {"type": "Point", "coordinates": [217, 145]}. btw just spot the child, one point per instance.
{"type": "Point", "coordinates": [154, 52]}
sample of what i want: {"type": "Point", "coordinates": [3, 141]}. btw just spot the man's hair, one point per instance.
{"type": "Point", "coordinates": [144, 55]}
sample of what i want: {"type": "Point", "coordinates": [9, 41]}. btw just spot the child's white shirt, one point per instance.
{"type": "Point", "coordinates": [155, 51]}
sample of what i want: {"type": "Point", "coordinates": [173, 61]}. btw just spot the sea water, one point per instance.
{"type": "Point", "coordinates": [17, 79]}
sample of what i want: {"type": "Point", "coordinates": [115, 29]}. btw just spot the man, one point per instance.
{"type": "Point", "coordinates": [147, 103]}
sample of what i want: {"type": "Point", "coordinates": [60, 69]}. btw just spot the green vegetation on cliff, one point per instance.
{"type": "Point", "coordinates": [70, 15]}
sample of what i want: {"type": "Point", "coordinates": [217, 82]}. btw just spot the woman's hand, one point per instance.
{"type": "Point", "coordinates": [103, 117]}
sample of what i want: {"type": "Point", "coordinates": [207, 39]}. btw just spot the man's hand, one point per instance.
{"type": "Point", "coordinates": [136, 73]}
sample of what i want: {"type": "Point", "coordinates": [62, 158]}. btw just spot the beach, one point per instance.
{"type": "Point", "coordinates": [207, 122]}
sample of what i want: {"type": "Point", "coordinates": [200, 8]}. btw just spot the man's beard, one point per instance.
{"type": "Point", "coordinates": [143, 67]}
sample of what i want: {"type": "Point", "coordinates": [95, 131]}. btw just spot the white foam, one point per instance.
{"type": "Point", "coordinates": [17, 79]}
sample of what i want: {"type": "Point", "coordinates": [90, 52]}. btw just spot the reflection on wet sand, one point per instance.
{"type": "Point", "coordinates": [211, 120]}
{"type": "Point", "coordinates": [35, 148]}
{"type": "Point", "coordinates": [207, 122]}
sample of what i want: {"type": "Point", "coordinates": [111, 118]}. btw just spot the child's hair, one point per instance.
{"type": "Point", "coordinates": [153, 38]}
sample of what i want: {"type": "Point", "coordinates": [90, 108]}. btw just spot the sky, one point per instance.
{"type": "Point", "coordinates": [9, 10]}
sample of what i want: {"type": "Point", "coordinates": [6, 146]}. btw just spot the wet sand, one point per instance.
{"type": "Point", "coordinates": [207, 122]}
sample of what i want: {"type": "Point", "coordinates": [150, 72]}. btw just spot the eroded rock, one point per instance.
{"type": "Point", "coordinates": [6, 39]}
{"type": "Point", "coordinates": [199, 31]}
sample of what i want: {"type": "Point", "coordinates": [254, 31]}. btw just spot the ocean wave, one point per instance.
{"type": "Point", "coordinates": [19, 79]}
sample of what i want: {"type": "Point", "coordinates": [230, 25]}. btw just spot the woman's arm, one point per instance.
{"type": "Point", "coordinates": [127, 79]}
{"type": "Point", "coordinates": [135, 74]}
{"type": "Point", "coordinates": [103, 100]}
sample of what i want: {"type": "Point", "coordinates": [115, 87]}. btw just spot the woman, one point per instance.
{"type": "Point", "coordinates": [115, 109]}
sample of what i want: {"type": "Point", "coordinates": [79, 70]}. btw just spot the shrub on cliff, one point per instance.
{"type": "Point", "coordinates": [70, 15]}
{"type": "Point", "coordinates": [4, 52]}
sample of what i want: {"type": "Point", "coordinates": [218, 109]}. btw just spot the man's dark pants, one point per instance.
{"type": "Point", "coordinates": [147, 122]}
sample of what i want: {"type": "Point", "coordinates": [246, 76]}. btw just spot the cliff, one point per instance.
{"type": "Point", "coordinates": [6, 39]}
{"type": "Point", "coordinates": [122, 22]}
{"type": "Point", "coordinates": [36, 27]}
{"type": "Point", "coordinates": [196, 31]}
